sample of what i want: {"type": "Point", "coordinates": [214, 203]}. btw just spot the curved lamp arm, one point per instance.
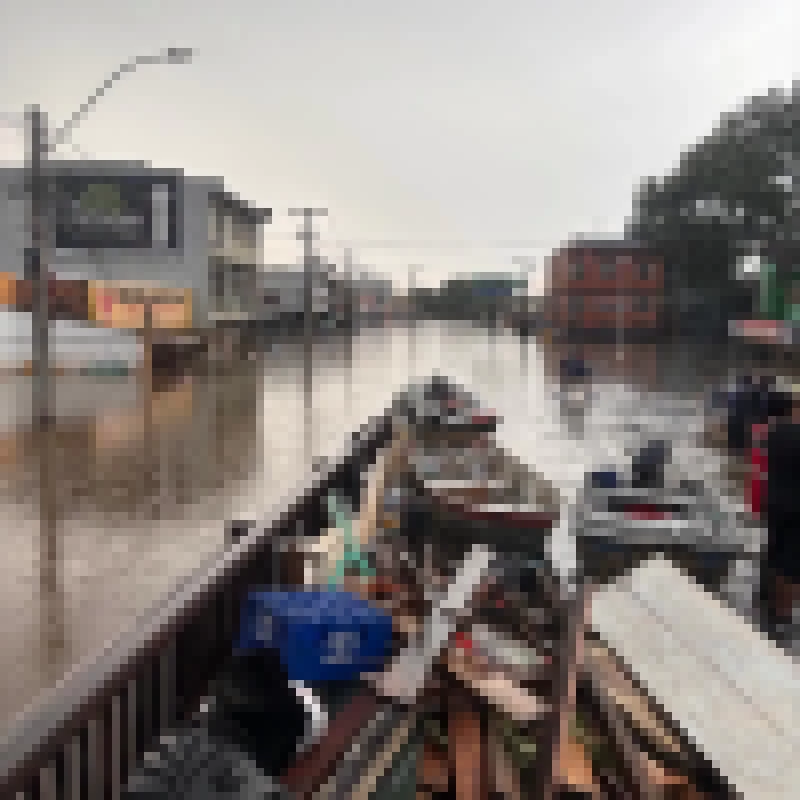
{"type": "Point", "coordinates": [172, 55]}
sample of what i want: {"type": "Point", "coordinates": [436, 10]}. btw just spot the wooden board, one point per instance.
{"type": "Point", "coordinates": [735, 694]}
{"type": "Point", "coordinates": [616, 689]}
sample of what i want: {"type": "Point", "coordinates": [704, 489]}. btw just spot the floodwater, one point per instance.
{"type": "Point", "coordinates": [145, 483]}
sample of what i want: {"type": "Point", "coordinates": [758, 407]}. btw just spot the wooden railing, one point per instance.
{"type": "Point", "coordinates": [86, 735]}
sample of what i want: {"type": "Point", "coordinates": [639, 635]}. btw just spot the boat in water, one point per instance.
{"type": "Point", "coordinates": [650, 506]}
{"type": "Point", "coordinates": [481, 691]}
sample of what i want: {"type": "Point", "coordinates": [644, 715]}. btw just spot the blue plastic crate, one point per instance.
{"type": "Point", "coordinates": [320, 635]}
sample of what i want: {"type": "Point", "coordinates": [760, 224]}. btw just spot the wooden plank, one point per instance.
{"type": "Point", "coordinates": [317, 763]}
{"type": "Point", "coordinates": [496, 688]}
{"type": "Point", "coordinates": [734, 694]}
{"type": "Point", "coordinates": [469, 757]}
{"type": "Point", "coordinates": [404, 678]}
{"type": "Point", "coordinates": [609, 680]}
{"type": "Point", "coordinates": [574, 767]}
{"type": "Point", "coordinates": [383, 763]}
{"type": "Point", "coordinates": [503, 774]}
{"type": "Point", "coordinates": [564, 692]}
{"type": "Point", "coordinates": [434, 773]}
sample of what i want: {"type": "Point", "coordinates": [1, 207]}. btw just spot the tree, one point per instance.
{"type": "Point", "coordinates": [729, 196]}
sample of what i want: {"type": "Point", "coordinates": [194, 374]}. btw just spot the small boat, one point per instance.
{"type": "Point", "coordinates": [484, 492]}
{"type": "Point", "coordinates": [652, 507]}
{"type": "Point", "coordinates": [482, 693]}
{"type": "Point", "coordinates": [459, 485]}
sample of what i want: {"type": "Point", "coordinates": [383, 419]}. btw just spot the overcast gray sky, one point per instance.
{"type": "Point", "coordinates": [417, 121]}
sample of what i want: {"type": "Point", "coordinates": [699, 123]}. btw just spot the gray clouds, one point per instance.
{"type": "Point", "coordinates": [452, 120]}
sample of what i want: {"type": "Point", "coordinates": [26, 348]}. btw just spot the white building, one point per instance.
{"type": "Point", "coordinates": [129, 221]}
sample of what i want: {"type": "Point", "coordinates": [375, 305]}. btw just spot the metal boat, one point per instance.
{"type": "Point", "coordinates": [623, 515]}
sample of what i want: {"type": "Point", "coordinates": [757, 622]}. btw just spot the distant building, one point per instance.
{"type": "Point", "coordinates": [481, 296]}
{"type": "Point", "coordinates": [281, 294]}
{"type": "Point", "coordinates": [606, 286]}
{"type": "Point", "coordinates": [372, 296]}
{"type": "Point", "coordinates": [127, 221]}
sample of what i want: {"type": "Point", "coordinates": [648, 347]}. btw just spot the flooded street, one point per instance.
{"type": "Point", "coordinates": [146, 483]}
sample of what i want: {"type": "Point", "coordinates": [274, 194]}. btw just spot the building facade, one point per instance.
{"type": "Point", "coordinates": [282, 293]}
{"type": "Point", "coordinates": [129, 222]}
{"type": "Point", "coordinates": [606, 286]}
{"type": "Point", "coordinates": [372, 297]}
{"type": "Point", "coordinates": [482, 297]}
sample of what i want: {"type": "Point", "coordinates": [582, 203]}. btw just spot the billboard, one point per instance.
{"type": "Point", "coordinates": [115, 305]}
{"type": "Point", "coordinates": [116, 212]}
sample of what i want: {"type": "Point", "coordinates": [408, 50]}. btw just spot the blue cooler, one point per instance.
{"type": "Point", "coordinates": [320, 635]}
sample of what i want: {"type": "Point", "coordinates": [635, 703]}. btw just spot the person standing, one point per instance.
{"type": "Point", "coordinates": [740, 413]}
{"type": "Point", "coordinates": [781, 566]}
{"type": "Point", "coordinates": [769, 406]}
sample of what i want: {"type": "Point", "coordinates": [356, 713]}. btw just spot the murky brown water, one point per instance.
{"type": "Point", "coordinates": [141, 504]}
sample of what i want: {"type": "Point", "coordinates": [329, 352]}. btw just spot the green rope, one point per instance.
{"type": "Point", "coordinates": [353, 556]}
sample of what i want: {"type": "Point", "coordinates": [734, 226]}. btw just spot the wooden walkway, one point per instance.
{"type": "Point", "coordinates": [734, 693]}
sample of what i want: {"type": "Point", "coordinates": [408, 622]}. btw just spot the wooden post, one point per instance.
{"type": "Point", "coordinates": [467, 743]}
{"type": "Point", "coordinates": [554, 740]}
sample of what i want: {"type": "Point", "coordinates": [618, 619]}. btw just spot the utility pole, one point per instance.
{"type": "Point", "coordinates": [349, 319]}
{"type": "Point", "coordinates": [621, 307]}
{"type": "Point", "coordinates": [147, 400]}
{"type": "Point", "coordinates": [36, 266]}
{"type": "Point", "coordinates": [349, 292]}
{"type": "Point", "coordinates": [527, 265]}
{"type": "Point", "coordinates": [307, 236]}
{"type": "Point", "coordinates": [412, 310]}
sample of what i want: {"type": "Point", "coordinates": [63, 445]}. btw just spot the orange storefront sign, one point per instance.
{"type": "Point", "coordinates": [8, 289]}
{"type": "Point", "coordinates": [124, 306]}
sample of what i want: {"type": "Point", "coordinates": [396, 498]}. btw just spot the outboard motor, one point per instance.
{"type": "Point", "coordinates": [647, 466]}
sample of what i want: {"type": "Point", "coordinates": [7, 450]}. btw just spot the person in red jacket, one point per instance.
{"type": "Point", "coordinates": [756, 488]}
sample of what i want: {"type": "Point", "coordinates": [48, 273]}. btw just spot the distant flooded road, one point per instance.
{"type": "Point", "coordinates": [144, 484]}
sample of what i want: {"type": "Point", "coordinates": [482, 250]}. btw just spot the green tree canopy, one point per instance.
{"type": "Point", "coordinates": [728, 194]}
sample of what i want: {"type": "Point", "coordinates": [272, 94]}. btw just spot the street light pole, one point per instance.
{"type": "Point", "coordinates": [36, 266]}
{"type": "Point", "coordinates": [41, 190]}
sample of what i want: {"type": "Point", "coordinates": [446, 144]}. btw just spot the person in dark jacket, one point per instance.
{"type": "Point", "coordinates": [740, 407]}
{"type": "Point", "coordinates": [781, 565]}
{"type": "Point", "coordinates": [755, 401]}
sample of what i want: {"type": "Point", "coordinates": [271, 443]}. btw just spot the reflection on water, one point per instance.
{"type": "Point", "coordinates": [185, 440]}
{"type": "Point", "coordinates": [140, 504]}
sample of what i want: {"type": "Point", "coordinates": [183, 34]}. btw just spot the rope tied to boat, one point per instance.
{"type": "Point", "coordinates": [353, 558]}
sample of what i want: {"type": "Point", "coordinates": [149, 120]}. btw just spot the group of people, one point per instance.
{"type": "Point", "coordinates": [764, 420]}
